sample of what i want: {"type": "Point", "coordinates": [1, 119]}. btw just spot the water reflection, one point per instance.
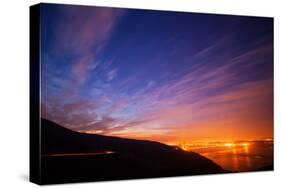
{"type": "Point", "coordinates": [237, 156]}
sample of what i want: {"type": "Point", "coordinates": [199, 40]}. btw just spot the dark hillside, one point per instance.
{"type": "Point", "coordinates": [69, 156]}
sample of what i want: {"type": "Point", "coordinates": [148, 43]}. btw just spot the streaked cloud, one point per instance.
{"type": "Point", "coordinates": [135, 74]}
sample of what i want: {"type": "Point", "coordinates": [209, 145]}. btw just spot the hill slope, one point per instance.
{"type": "Point", "coordinates": [69, 156]}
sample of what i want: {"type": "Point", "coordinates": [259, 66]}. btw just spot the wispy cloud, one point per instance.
{"type": "Point", "coordinates": [111, 74]}
{"type": "Point", "coordinates": [79, 33]}
{"type": "Point", "coordinates": [204, 94]}
{"type": "Point", "coordinates": [98, 80]}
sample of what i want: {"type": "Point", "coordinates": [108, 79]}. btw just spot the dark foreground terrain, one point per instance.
{"type": "Point", "coordinates": [69, 156]}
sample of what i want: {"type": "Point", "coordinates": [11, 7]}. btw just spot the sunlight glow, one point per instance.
{"type": "Point", "coordinates": [245, 144]}
{"type": "Point", "coordinates": [229, 144]}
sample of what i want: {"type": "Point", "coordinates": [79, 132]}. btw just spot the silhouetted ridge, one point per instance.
{"type": "Point", "coordinates": [69, 156]}
{"type": "Point", "coordinates": [57, 139]}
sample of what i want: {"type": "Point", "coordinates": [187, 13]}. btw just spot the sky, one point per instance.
{"type": "Point", "coordinates": [157, 75]}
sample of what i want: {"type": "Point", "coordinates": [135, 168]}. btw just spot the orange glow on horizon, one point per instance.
{"type": "Point", "coordinates": [214, 118]}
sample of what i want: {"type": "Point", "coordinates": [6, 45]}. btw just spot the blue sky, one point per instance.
{"type": "Point", "coordinates": [157, 75]}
